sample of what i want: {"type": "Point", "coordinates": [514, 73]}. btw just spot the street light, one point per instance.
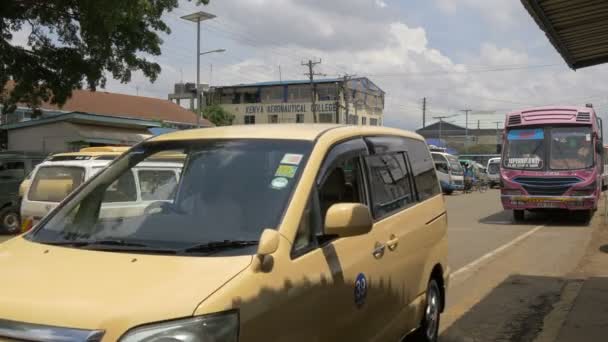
{"type": "Point", "coordinates": [212, 51]}
{"type": "Point", "coordinates": [197, 17]}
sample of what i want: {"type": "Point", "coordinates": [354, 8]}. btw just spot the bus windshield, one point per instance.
{"type": "Point", "coordinates": [525, 149]}
{"type": "Point", "coordinates": [571, 148]}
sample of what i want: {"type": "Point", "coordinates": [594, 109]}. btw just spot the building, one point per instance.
{"type": "Point", "coordinates": [357, 101]}
{"type": "Point", "coordinates": [454, 137]}
{"type": "Point", "coordinates": [92, 119]}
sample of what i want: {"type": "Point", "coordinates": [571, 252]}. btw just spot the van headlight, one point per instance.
{"type": "Point", "coordinates": [222, 327]}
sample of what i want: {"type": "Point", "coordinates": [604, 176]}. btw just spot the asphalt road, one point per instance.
{"type": "Point", "coordinates": [507, 278]}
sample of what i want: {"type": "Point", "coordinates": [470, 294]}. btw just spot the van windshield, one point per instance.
{"type": "Point", "coordinates": [54, 183]}
{"type": "Point", "coordinates": [455, 166]}
{"type": "Point", "coordinates": [228, 190]}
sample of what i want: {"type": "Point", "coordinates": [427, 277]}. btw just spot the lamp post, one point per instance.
{"type": "Point", "coordinates": [197, 17]}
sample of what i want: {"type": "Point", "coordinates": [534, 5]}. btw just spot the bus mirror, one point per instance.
{"type": "Point", "coordinates": [599, 148]}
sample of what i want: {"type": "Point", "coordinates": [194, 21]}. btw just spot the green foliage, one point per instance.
{"type": "Point", "coordinates": [76, 43]}
{"type": "Point", "coordinates": [218, 115]}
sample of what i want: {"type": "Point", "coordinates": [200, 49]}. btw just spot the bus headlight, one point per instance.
{"type": "Point", "coordinates": [222, 327]}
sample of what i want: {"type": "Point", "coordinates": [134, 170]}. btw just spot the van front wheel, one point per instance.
{"type": "Point", "coordinates": [429, 328]}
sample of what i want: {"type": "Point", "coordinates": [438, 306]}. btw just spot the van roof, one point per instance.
{"type": "Point", "coordinates": [279, 131]}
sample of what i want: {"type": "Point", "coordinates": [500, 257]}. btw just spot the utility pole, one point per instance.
{"type": "Point", "coordinates": [313, 89]}
{"type": "Point", "coordinates": [466, 128]}
{"type": "Point", "coordinates": [423, 112]}
{"type": "Point", "coordinates": [478, 124]}
{"type": "Point", "coordinates": [440, 118]}
{"type": "Point", "coordinates": [345, 93]}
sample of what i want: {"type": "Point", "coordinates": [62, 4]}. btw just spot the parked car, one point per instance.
{"type": "Point", "coordinates": [54, 179]}
{"type": "Point", "coordinates": [339, 228]}
{"type": "Point", "coordinates": [494, 172]}
{"type": "Point", "coordinates": [14, 166]}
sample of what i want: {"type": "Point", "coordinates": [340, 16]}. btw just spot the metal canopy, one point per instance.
{"type": "Point", "coordinates": [577, 28]}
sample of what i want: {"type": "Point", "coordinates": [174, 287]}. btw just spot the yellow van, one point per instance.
{"type": "Point", "coordinates": [274, 233]}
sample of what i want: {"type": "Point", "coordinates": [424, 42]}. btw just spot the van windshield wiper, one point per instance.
{"type": "Point", "coordinates": [111, 244]}
{"type": "Point", "coordinates": [213, 246]}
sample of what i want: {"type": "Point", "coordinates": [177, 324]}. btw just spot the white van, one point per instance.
{"type": "Point", "coordinates": [494, 172]}
{"type": "Point", "coordinates": [54, 179]}
{"type": "Point", "coordinates": [449, 172]}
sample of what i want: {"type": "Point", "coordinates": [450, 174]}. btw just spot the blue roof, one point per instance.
{"type": "Point", "coordinates": [276, 83]}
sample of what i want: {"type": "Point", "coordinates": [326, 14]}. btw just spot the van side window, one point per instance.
{"type": "Point", "coordinates": [157, 185]}
{"type": "Point", "coordinates": [122, 190]}
{"type": "Point", "coordinates": [390, 185]}
{"type": "Point", "coordinates": [342, 185]}
{"type": "Point", "coordinates": [423, 169]}
{"type": "Point", "coordinates": [341, 182]}
{"type": "Point", "coordinates": [12, 170]}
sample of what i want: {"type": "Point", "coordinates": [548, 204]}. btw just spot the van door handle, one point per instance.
{"type": "Point", "coordinates": [378, 250]}
{"type": "Point", "coordinates": [392, 243]}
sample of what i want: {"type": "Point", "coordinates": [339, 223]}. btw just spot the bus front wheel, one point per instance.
{"type": "Point", "coordinates": [518, 215]}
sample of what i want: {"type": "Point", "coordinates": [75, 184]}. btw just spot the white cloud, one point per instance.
{"type": "Point", "coordinates": [493, 12]}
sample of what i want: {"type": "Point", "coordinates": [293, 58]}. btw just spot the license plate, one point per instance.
{"type": "Point", "coordinates": [547, 205]}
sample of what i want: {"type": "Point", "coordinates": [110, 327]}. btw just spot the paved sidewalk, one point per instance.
{"type": "Point", "coordinates": [587, 319]}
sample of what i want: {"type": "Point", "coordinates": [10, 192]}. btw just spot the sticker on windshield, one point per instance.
{"type": "Point", "coordinates": [526, 134]}
{"type": "Point", "coordinates": [288, 171]}
{"type": "Point", "coordinates": [588, 137]}
{"type": "Point", "coordinates": [524, 163]}
{"type": "Point", "coordinates": [279, 183]}
{"type": "Point", "coordinates": [292, 159]}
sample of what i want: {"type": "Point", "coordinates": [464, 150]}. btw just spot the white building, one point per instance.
{"type": "Point", "coordinates": [357, 101]}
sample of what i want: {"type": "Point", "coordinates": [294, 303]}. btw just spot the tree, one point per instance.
{"type": "Point", "coordinates": [76, 43]}
{"type": "Point", "coordinates": [218, 115]}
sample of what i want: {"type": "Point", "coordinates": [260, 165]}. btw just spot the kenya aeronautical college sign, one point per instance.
{"type": "Point", "coordinates": [290, 108]}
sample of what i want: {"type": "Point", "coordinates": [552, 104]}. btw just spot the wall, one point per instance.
{"type": "Point", "coordinates": [286, 112]}
{"type": "Point", "coordinates": [47, 138]}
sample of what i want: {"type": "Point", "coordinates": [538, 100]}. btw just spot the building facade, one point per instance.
{"type": "Point", "coordinates": [357, 101]}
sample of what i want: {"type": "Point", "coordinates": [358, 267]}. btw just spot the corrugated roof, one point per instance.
{"type": "Point", "coordinates": [121, 105]}
{"type": "Point", "coordinates": [577, 28]}
{"type": "Point", "coordinates": [292, 82]}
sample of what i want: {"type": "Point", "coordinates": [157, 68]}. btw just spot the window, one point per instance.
{"type": "Point", "coordinates": [299, 93]}
{"type": "Point", "coordinates": [299, 118]}
{"type": "Point", "coordinates": [423, 169]}
{"type": "Point", "coordinates": [251, 97]}
{"type": "Point", "coordinates": [342, 185]}
{"type": "Point", "coordinates": [122, 190]}
{"type": "Point", "coordinates": [390, 184]}
{"type": "Point", "coordinates": [249, 119]}
{"type": "Point", "coordinates": [54, 183]}
{"type": "Point", "coordinates": [373, 122]}
{"type": "Point", "coordinates": [272, 94]}
{"type": "Point", "coordinates": [12, 170]}
{"type": "Point", "coordinates": [157, 185]}
{"type": "Point", "coordinates": [326, 118]}
{"type": "Point", "coordinates": [364, 121]}
{"type": "Point", "coordinates": [326, 92]}
{"type": "Point", "coordinates": [273, 118]}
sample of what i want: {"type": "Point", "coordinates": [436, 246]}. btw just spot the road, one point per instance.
{"type": "Point", "coordinates": [508, 278]}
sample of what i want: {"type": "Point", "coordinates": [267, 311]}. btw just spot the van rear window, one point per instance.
{"type": "Point", "coordinates": [54, 183]}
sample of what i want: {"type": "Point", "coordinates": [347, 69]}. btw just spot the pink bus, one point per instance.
{"type": "Point", "coordinates": [552, 159]}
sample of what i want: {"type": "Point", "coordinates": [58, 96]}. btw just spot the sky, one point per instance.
{"type": "Point", "coordinates": [485, 55]}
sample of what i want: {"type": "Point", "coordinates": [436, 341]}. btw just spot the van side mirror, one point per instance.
{"type": "Point", "coordinates": [348, 219]}
{"type": "Point", "coordinates": [269, 242]}
{"type": "Point", "coordinates": [599, 148]}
